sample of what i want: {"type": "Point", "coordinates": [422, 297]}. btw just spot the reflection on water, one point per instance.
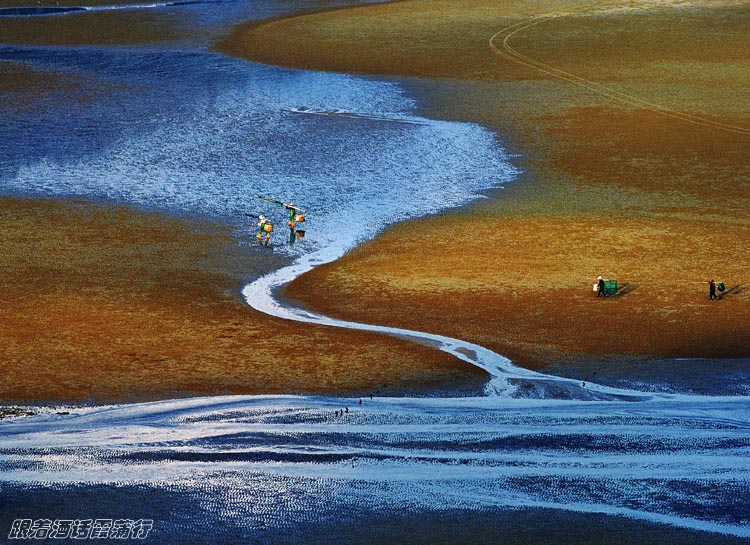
{"type": "Point", "coordinates": [191, 132]}
{"type": "Point", "coordinates": [198, 133]}
{"type": "Point", "coordinates": [269, 469]}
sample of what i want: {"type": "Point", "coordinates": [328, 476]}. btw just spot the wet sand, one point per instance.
{"type": "Point", "coordinates": [608, 186]}
{"type": "Point", "coordinates": [105, 304]}
{"type": "Point", "coordinates": [28, 83]}
{"type": "Point", "coordinates": [111, 28]}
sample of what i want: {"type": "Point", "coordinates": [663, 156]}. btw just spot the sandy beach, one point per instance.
{"type": "Point", "coordinates": [106, 304]}
{"type": "Point", "coordinates": [114, 27]}
{"type": "Point", "coordinates": [653, 196]}
{"type": "Point", "coordinates": [606, 187]}
{"type": "Point", "coordinates": [628, 125]}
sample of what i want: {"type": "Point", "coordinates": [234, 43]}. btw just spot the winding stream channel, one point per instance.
{"type": "Point", "coordinates": [291, 469]}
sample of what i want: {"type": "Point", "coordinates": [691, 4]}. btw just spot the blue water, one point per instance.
{"type": "Point", "coordinates": [275, 469]}
{"type": "Point", "coordinates": [189, 131]}
{"type": "Point", "coordinates": [175, 127]}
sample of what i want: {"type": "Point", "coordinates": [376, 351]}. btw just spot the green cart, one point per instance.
{"type": "Point", "coordinates": [610, 287]}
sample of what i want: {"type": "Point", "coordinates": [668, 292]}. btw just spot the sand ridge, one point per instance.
{"type": "Point", "coordinates": [610, 185]}
{"type": "Point", "coordinates": [104, 304]}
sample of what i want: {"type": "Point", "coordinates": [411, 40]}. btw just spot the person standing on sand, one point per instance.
{"type": "Point", "coordinates": [712, 290]}
{"type": "Point", "coordinates": [600, 284]}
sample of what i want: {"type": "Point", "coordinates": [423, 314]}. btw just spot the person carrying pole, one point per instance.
{"type": "Point", "coordinates": [292, 214]}
{"type": "Point", "coordinates": [265, 227]}
{"type": "Point", "coordinates": [296, 214]}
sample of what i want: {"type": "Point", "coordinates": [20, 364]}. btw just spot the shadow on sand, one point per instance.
{"type": "Point", "coordinates": [733, 290]}
{"type": "Point", "coordinates": [624, 290]}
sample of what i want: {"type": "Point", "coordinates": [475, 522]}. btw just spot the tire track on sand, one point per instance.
{"type": "Point", "coordinates": [500, 45]}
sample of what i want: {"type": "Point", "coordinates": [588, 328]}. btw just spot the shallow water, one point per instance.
{"type": "Point", "coordinates": [193, 132]}
{"type": "Point", "coordinates": [177, 128]}
{"type": "Point", "coordinates": [266, 469]}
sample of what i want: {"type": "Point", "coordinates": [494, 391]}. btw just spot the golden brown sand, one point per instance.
{"type": "Point", "coordinates": [609, 186]}
{"type": "Point", "coordinates": [102, 304]}
{"type": "Point", "coordinates": [116, 27]}
{"type": "Point", "coordinates": [112, 304]}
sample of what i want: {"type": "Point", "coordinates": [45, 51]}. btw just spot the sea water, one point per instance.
{"type": "Point", "coordinates": [189, 131]}
{"type": "Point", "coordinates": [178, 128]}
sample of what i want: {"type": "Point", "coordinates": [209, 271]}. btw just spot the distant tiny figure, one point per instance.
{"type": "Point", "coordinates": [712, 290]}
{"type": "Point", "coordinates": [346, 409]}
{"type": "Point", "coordinates": [600, 283]}
{"type": "Point", "coordinates": [360, 401]}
